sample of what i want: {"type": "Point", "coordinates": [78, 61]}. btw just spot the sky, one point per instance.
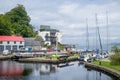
{"type": "Point", "coordinates": [69, 16]}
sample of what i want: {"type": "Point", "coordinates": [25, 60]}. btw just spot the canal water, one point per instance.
{"type": "Point", "coordinates": [11, 70]}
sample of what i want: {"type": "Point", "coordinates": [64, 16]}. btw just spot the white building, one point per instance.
{"type": "Point", "coordinates": [11, 43]}
{"type": "Point", "coordinates": [50, 36]}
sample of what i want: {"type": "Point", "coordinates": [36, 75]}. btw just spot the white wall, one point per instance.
{"type": "Point", "coordinates": [59, 37]}
{"type": "Point", "coordinates": [43, 34]}
{"type": "Point", "coordinates": [11, 43]}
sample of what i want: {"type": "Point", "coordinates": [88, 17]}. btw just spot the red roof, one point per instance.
{"type": "Point", "coordinates": [11, 38]}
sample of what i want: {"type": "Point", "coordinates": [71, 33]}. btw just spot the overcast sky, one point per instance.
{"type": "Point", "coordinates": [69, 16]}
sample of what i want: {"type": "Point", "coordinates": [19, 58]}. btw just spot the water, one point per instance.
{"type": "Point", "coordinates": [10, 70]}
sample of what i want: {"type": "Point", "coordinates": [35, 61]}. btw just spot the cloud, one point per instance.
{"type": "Point", "coordinates": [69, 16]}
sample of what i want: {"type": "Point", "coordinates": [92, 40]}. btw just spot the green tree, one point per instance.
{"type": "Point", "coordinates": [5, 25]}
{"type": "Point", "coordinates": [115, 59]}
{"type": "Point", "coordinates": [20, 22]}
{"type": "Point", "coordinates": [60, 46]}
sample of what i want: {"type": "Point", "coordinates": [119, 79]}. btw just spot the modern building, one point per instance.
{"type": "Point", "coordinates": [11, 43]}
{"type": "Point", "coordinates": [49, 35]}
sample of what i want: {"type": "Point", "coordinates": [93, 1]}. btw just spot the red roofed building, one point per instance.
{"type": "Point", "coordinates": [11, 43]}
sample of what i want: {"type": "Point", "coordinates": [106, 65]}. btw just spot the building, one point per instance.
{"type": "Point", "coordinates": [11, 43]}
{"type": "Point", "coordinates": [33, 43]}
{"type": "Point", "coordinates": [50, 36]}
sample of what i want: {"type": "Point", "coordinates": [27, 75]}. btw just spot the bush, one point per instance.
{"type": "Point", "coordinates": [115, 59]}
{"type": "Point", "coordinates": [55, 57]}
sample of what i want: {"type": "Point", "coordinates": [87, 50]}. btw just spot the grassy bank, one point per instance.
{"type": "Point", "coordinates": [57, 56]}
{"type": "Point", "coordinates": [107, 64]}
{"type": "Point", "coordinates": [73, 56]}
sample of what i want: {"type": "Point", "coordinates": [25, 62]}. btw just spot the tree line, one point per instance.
{"type": "Point", "coordinates": [16, 22]}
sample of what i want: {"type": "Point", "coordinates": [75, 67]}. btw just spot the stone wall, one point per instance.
{"type": "Point", "coordinates": [109, 71]}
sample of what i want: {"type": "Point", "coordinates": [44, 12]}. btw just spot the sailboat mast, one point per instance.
{"type": "Point", "coordinates": [96, 31]}
{"type": "Point", "coordinates": [87, 35]}
{"type": "Point", "coordinates": [107, 30]}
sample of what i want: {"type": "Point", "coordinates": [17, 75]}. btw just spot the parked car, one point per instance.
{"type": "Point", "coordinates": [5, 52]}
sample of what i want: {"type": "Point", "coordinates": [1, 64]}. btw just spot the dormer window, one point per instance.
{"type": "Point", "coordinates": [20, 42]}
{"type": "Point", "coordinates": [8, 42]}
{"type": "Point", "coordinates": [14, 42]}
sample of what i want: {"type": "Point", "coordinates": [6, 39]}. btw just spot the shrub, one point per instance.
{"type": "Point", "coordinates": [115, 59]}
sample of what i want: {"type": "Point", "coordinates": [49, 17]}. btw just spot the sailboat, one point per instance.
{"type": "Point", "coordinates": [100, 53]}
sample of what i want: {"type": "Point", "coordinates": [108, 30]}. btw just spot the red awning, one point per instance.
{"type": "Point", "coordinates": [11, 38]}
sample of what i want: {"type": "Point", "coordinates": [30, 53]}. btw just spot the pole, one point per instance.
{"type": "Point", "coordinates": [87, 35]}
{"type": "Point", "coordinates": [99, 38]}
{"type": "Point", "coordinates": [107, 30]}
{"type": "Point", "coordinates": [96, 32]}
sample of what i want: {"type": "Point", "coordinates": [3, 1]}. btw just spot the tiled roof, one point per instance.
{"type": "Point", "coordinates": [32, 42]}
{"type": "Point", "coordinates": [11, 38]}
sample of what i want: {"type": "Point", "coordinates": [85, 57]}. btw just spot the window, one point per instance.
{"type": "Point", "coordinates": [8, 47]}
{"type": "Point", "coordinates": [1, 47]}
{"type": "Point", "coordinates": [14, 42]}
{"type": "Point", "coordinates": [0, 42]}
{"type": "Point", "coordinates": [21, 46]}
{"type": "Point", "coordinates": [14, 47]}
{"type": "Point", "coordinates": [20, 42]}
{"type": "Point", "coordinates": [47, 39]}
{"type": "Point", "coordinates": [8, 42]}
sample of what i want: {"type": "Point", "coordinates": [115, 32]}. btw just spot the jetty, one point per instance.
{"type": "Point", "coordinates": [5, 57]}
{"type": "Point", "coordinates": [50, 61]}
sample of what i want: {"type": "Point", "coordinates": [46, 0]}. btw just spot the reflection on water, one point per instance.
{"type": "Point", "coordinates": [43, 69]}
{"type": "Point", "coordinates": [10, 70]}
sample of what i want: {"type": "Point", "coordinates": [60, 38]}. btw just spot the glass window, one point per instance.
{"type": "Point", "coordinates": [20, 42]}
{"type": "Point", "coordinates": [1, 48]}
{"type": "Point", "coordinates": [14, 47]}
{"type": "Point", "coordinates": [20, 46]}
{"type": "Point", "coordinates": [8, 42]}
{"type": "Point", "coordinates": [8, 47]}
{"type": "Point", "coordinates": [14, 42]}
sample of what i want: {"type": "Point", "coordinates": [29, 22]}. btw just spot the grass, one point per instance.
{"type": "Point", "coordinates": [108, 65]}
{"type": "Point", "coordinates": [51, 57]}
{"type": "Point", "coordinates": [73, 56]}
{"type": "Point", "coordinates": [56, 57]}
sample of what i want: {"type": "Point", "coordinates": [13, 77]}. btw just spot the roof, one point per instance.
{"type": "Point", "coordinates": [32, 42]}
{"type": "Point", "coordinates": [34, 39]}
{"type": "Point", "coordinates": [29, 39]}
{"type": "Point", "coordinates": [11, 38]}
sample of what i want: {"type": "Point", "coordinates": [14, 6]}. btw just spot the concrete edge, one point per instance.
{"type": "Point", "coordinates": [108, 71]}
{"type": "Point", "coordinates": [46, 61]}
{"type": "Point", "coordinates": [5, 57]}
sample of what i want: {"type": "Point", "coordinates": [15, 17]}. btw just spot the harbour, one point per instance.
{"type": "Point", "coordinates": [59, 40]}
{"type": "Point", "coordinates": [40, 71]}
